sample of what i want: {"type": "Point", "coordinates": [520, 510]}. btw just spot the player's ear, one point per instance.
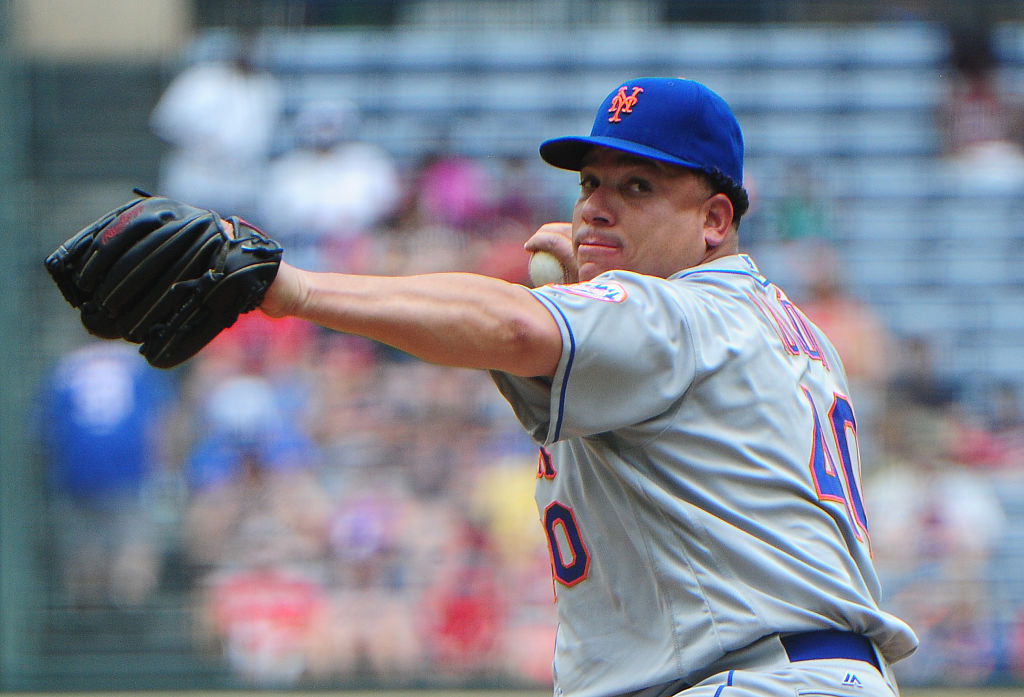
{"type": "Point", "coordinates": [718, 215]}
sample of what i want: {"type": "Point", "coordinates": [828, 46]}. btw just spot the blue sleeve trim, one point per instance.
{"type": "Point", "coordinates": [557, 312]}
{"type": "Point", "coordinates": [728, 683]}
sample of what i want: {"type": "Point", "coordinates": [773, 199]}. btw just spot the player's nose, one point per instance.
{"type": "Point", "coordinates": [596, 209]}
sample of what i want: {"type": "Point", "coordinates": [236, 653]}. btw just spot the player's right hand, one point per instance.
{"type": "Point", "coordinates": [555, 238]}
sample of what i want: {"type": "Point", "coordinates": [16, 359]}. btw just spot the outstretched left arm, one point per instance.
{"type": "Point", "coordinates": [455, 319]}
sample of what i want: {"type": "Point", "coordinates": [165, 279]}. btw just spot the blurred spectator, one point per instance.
{"type": "Point", "coordinates": [101, 412]}
{"type": "Point", "coordinates": [255, 532]}
{"type": "Point", "coordinates": [220, 119]}
{"type": "Point", "coordinates": [1015, 645]}
{"type": "Point", "coordinates": [453, 191]}
{"type": "Point", "coordinates": [791, 228]}
{"type": "Point", "coordinates": [802, 213]}
{"type": "Point", "coordinates": [251, 461]}
{"type": "Point", "coordinates": [1005, 423]}
{"type": "Point", "coordinates": [916, 380]}
{"type": "Point", "coordinates": [981, 121]}
{"type": "Point", "coordinates": [278, 349]}
{"type": "Point", "coordinates": [326, 193]}
{"type": "Point", "coordinates": [398, 554]}
{"type": "Point", "coordinates": [418, 244]}
{"type": "Point", "coordinates": [349, 414]}
{"type": "Point", "coordinates": [854, 325]}
{"type": "Point", "coordinates": [959, 629]}
{"type": "Point", "coordinates": [865, 341]}
{"type": "Point", "coordinates": [1006, 416]}
{"type": "Point", "coordinates": [953, 511]}
{"type": "Point", "coordinates": [464, 610]}
{"type": "Point", "coordinates": [934, 524]}
{"type": "Point", "coordinates": [522, 196]}
{"type": "Point", "coordinates": [991, 437]}
{"type": "Point", "coordinates": [377, 578]}
{"type": "Point", "coordinates": [263, 618]}
{"type": "Point", "coordinates": [460, 214]}
{"type": "Point", "coordinates": [501, 254]}
{"type": "Point", "coordinates": [501, 498]}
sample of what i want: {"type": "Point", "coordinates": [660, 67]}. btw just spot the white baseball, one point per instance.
{"type": "Point", "coordinates": [545, 268]}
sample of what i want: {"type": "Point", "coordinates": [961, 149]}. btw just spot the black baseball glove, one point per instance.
{"type": "Point", "coordinates": [164, 274]}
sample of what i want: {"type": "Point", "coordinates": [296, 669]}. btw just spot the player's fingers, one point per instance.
{"type": "Point", "coordinates": [550, 237]}
{"type": "Point", "coordinates": [555, 238]}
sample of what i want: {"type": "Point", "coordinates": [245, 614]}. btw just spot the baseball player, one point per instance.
{"type": "Point", "coordinates": [698, 477]}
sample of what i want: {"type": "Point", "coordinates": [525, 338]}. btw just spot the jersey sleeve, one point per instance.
{"type": "Point", "coordinates": [627, 356]}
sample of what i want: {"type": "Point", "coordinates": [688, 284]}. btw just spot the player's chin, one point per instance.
{"type": "Point", "coordinates": [594, 261]}
{"type": "Point", "coordinates": [589, 271]}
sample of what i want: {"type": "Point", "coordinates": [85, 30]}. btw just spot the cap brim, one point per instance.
{"type": "Point", "coordinates": [567, 153]}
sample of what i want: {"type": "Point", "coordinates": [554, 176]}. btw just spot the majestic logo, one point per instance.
{"type": "Point", "coordinates": [851, 680]}
{"type": "Point", "coordinates": [623, 103]}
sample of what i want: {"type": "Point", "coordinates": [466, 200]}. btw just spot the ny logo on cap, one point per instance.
{"type": "Point", "coordinates": [623, 103]}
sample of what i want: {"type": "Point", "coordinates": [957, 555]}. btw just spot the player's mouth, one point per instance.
{"type": "Point", "coordinates": [597, 241]}
{"type": "Point", "coordinates": [597, 245]}
{"type": "Point", "coordinates": [597, 253]}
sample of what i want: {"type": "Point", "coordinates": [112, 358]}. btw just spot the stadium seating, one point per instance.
{"type": "Point", "coordinates": [858, 102]}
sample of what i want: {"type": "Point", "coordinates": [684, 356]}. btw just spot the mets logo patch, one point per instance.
{"type": "Point", "coordinates": [623, 103]}
{"type": "Point", "coordinates": [609, 292]}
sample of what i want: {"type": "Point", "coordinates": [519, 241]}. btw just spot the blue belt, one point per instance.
{"type": "Point", "coordinates": [808, 646]}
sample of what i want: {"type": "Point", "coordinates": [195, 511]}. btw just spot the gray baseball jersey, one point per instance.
{"type": "Point", "coordinates": [698, 480]}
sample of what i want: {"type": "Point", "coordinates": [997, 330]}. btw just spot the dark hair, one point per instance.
{"type": "Point", "coordinates": [716, 181]}
{"type": "Point", "coordinates": [737, 195]}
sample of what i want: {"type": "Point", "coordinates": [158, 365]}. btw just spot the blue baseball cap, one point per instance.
{"type": "Point", "coordinates": [672, 120]}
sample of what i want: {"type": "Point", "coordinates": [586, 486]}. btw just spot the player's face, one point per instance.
{"type": "Point", "coordinates": [637, 215]}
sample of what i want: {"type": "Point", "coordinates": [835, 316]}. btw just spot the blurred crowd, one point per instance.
{"type": "Point", "coordinates": [335, 510]}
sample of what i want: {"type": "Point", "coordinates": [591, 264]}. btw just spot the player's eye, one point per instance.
{"type": "Point", "coordinates": [638, 185]}
{"type": "Point", "coordinates": [587, 183]}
